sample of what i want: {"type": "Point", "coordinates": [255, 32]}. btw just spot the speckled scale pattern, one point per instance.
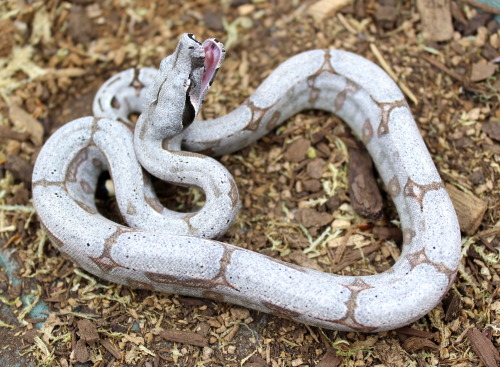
{"type": "Point", "coordinates": [336, 81]}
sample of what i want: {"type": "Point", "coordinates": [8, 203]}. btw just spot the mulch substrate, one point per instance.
{"type": "Point", "coordinates": [294, 183]}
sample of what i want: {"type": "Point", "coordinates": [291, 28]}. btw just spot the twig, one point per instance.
{"type": "Point", "coordinates": [392, 74]}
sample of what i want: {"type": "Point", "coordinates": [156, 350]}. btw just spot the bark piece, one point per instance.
{"type": "Point", "coordinates": [436, 19]}
{"type": "Point", "coordinates": [7, 31]}
{"type": "Point", "coordinates": [186, 337]}
{"type": "Point", "coordinates": [299, 258]}
{"type": "Point", "coordinates": [326, 8]}
{"type": "Point", "coordinates": [80, 27]}
{"type": "Point", "coordinates": [483, 347]}
{"type": "Point", "coordinates": [81, 352]}
{"type": "Point", "coordinates": [20, 168]}
{"type": "Point", "coordinates": [23, 120]}
{"type": "Point", "coordinates": [388, 233]}
{"type": "Point", "coordinates": [354, 256]}
{"type": "Point", "coordinates": [482, 70]}
{"type": "Point", "coordinates": [416, 343]}
{"type": "Point", "coordinates": [296, 151]}
{"type": "Point", "coordinates": [363, 189]}
{"type": "Point", "coordinates": [312, 218]}
{"type": "Point", "coordinates": [111, 348]}
{"type": "Point", "coordinates": [391, 354]}
{"type": "Point", "coordinates": [330, 359]}
{"type": "Point", "coordinates": [492, 129]}
{"type": "Point", "coordinates": [7, 133]}
{"type": "Point", "coordinates": [315, 168]}
{"type": "Point", "coordinates": [87, 331]}
{"type": "Point", "coordinates": [470, 209]}
{"type": "Point", "coordinates": [452, 306]}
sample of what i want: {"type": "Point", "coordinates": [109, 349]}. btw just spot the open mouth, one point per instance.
{"type": "Point", "coordinates": [213, 59]}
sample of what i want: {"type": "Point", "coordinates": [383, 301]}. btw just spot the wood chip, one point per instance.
{"type": "Point", "coordinates": [483, 347]}
{"type": "Point", "coordinates": [186, 337]}
{"type": "Point", "coordinates": [452, 306]}
{"type": "Point", "coordinates": [81, 352]}
{"type": "Point", "coordinates": [482, 70]}
{"type": "Point", "coordinates": [436, 19]}
{"type": "Point", "coordinates": [330, 359]}
{"type": "Point", "coordinates": [7, 133]}
{"type": "Point", "coordinates": [354, 256]}
{"type": "Point", "coordinates": [299, 258]}
{"type": "Point", "coordinates": [315, 168]}
{"type": "Point", "coordinates": [24, 121]}
{"type": "Point", "coordinates": [7, 31]}
{"type": "Point", "coordinates": [470, 209]}
{"type": "Point", "coordinates": [391, 354]}
{"type": "Point", "coordinates": [326, 8]}
{"type": "Point", "coordinates": [87, 331]}
{"type": "Point", "coordinates": [388, 233]}
{"type": "Point", "coordinates": [363, 189]}
{"type": "Point", "coordinates": [405, 330]}
{"type": "Point", "coordinates": [111, 348]}
{"type": "Point", "coordinates": [20, 168]}
{"type": "Point", "coordinates": [416, 343]}
{"type": "Point", "coordinates": [312, 218]}
{"type": "Point", "coordinates": [492, 129]}
{"type": "Point", "coordinates": [296, 151]}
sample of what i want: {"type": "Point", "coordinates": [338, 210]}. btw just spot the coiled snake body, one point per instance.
{"type": "Point", "coordinates": [171, 252]}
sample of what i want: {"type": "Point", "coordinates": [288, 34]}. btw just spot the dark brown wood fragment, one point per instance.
{"type": "Point", "coordinates": [452, 306]}
{"type": "Point", "coordinates": [81, 352]}
{"type": "Point", "coordinates": [483, 347]}
{"type": "Point", "coordinates": [492, 129]}
{"type": "Point", "coordinates": [391, 354]}
{"type": "Point", "coordinates": [416, 343]}
{"type": "Point", "coordinates": [7, 133]}
{"type": "Point", "coordinates": [354, 256]}
{"type": "Point", "coordinates": [330, 359]}
{"type": "Point", "coordinates": [7, 31]}
{"type": "Point", "coordinates": [405, 330]}
{"type": "Point", "coordinates": [186, 337]}
{"type": "Point", "coordinates": [110, 348]}
{"type": "Point", "coordinates": [363, 189]}
{"type": "Point", "coordinates": [296, 151]}
{"type": "Point", "coordinates": [312, 218]}
{"type": "Point", "coordinates": [299, 258]}
{"type": "Point", "coordinates": [388, 233]}
{"type": "Point", "coordinates": [470, 209]}
{"type": "Point", "coordinates": [20, 168]}
{"type": "Point", "coordinates": [87, 331]}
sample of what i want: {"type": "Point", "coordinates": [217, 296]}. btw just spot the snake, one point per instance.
{"type": "Point", "coordinates": [179, 253]}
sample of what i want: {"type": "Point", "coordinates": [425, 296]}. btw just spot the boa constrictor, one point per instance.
{"type": "Point", "coordinates": [166, 251]}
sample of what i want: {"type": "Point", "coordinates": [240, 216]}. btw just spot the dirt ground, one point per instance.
{"type": "Point", "coordinates": [54, 55]}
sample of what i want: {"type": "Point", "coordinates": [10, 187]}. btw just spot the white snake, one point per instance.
{"type": "Point", "coordinates": [165, 251]}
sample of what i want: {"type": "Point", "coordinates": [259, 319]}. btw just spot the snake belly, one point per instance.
{"type": "Point", "coordinates": [337, 81]}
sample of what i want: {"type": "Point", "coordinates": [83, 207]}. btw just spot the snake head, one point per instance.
{"type": "Point", "coordinates": [203, 71]}
{"type": "Point", "coordinates": [182, 82]}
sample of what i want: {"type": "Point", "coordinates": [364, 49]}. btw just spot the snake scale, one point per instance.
{"type": "Point", "coordinates": [173, 252]}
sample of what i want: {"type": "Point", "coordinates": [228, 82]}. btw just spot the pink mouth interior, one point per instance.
{"type": "Point", "coordinates": [212, 59]}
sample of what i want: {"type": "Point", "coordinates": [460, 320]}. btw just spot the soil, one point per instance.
{"type": "Point", "coordinates": [294, 183]}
